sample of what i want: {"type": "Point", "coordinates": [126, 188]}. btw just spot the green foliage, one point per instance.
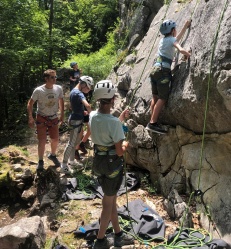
{"type": "Point", "coordinates": [32, 39]}
{"type": "Point", "coordinates": [99, 64]}
{"type": "Point", "coordinates": [147, 185]}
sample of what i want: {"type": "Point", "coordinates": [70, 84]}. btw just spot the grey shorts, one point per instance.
{"type": "Point", "coordinates": [109, 171]}
{"type": "Point", "coordinates": [161, 82]}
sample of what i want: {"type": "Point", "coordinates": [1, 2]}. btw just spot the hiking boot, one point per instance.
{"type": "Point", "coordinates": [155, 128]}
{"type": "Point", "coordinates": [40, 165]}
{"type": "Point", "coordinates": [75, 164]}
{"type": "Point", "coordinates": [83, 148]}
{"type": "Point", "coordinates": [66, 170]}
{"type": "Point", "coordinates": [105, 244]}
{"type": "Point", "coordinates": [124, 239]}
{"type": "Point", "coordinates": [54, 159]}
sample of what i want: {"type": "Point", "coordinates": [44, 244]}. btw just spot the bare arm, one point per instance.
{"type": "Point", "coordinates": [61, 107]}
{"type": "Point", "coordinates": [186, 25]}
{"type": "Point", "coordinates": [124, 114]}
{"type": "Point", "coordinates": [121, 147]}
{"type": "Point", "coordinates": [30, 113]}
{"type": "Point", "coordinates": [182, 50]}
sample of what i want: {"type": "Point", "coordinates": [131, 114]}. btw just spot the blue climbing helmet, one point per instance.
{"type": "Point", "coordinates": [166, 27]}
{"type": "Point", "coordinates": [72, 64]}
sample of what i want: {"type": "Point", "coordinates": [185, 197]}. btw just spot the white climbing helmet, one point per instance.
{"type": "Point", "coordinates": [104, 89]}
{"type": "Point", "coordinates": [166, 27]}
{"type": "Point", "coordinates": [88, 80]}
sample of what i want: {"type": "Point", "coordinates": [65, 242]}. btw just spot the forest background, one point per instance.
{"type": "Point", "coordinates": [41, 34]}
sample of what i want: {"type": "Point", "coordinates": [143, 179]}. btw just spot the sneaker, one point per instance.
{"type": "Point", "coordinates": [155, 128]}
{"type": "Point", "coordinates": [105, 244]}
{"type": "Point", "coordinates": [83, 148]}
{"type": "Point", "coordinates": [40, 165]}
{"type": "Point", "coordinates": [124, 239]}
{"type": "Point", "coordinates": [54, 159]}
{"type": "Point", "coordinates": [75, 164]}
{"type": "Point", "coordinates": [66, 170]}
{"type": "Point", "coordinates": [77, 156]}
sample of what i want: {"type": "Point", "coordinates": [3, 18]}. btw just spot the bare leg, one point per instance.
{"type": "Point", "coordinates": [41, 148]}
{"type": "Point", "coordinates": [107, 215]}
{"type": "Point", "coordinates": [153, 102]}
{"type": "Point", "coordinates": [157, 109]}
{"type": "Point", "coordinates": [54, 145]}
{"type": "Point", "coordinates": [114, 217]}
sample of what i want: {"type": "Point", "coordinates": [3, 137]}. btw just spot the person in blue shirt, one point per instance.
{"type": "Point", "coordinates": [109, 146]}
{"type": "Point", "coordinates": [161, 76]}
{"type": "Point", "coordinates": [78, 102]}
{"type": "Point", "coordinates": [75, 74]}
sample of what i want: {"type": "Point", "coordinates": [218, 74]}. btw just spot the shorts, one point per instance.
{"type": "Point", "coordinates": [45, 125]}
{"type": "Point", "coordinates": [109, 170]}
{"type": "Point", "coordinates": [161, 79]}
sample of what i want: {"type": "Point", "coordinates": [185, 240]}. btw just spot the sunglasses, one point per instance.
{"type": "Point", "coordinates": [53, 77]}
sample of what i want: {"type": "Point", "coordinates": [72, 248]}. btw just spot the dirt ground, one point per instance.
{"type": "Point", "coordinates": [67, 217]}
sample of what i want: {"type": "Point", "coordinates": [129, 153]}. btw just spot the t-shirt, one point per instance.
{"type": "Point", "coordinates": [77, 106]}
{"type": "Point", "coordinates": [106, 130]}
{"type": "Point", "coordinates": [166, 49]}
{"type": "Point", "coordinates": [75, 74]}
{"type": "Point", "coordinates": [47, 100]}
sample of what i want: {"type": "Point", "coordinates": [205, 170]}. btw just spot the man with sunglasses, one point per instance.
{"type": "Point", "coordinates": [49, 98]}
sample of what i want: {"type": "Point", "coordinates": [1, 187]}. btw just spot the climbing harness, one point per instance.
{"type": "Point", "coordinates": [157, 34]}
{"type": "Point", "coordinates": [47, 120]}
{"type": "Point", "coordinates": [198, 193]}
{"type": "Point", "coordinates": [201, 240]}
{"type": "Point", "coordinates": [104, 150]}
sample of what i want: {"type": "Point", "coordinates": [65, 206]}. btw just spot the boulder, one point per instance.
{"type": "Point", "coordinates": [27, 233]}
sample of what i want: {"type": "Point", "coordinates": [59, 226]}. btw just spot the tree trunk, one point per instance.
{"type": "Point", "coordinates": [50, 33]}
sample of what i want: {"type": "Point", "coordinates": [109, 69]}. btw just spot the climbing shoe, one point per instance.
{"type": "Point", "coordinates": [54, 159]}
{"type": "Point", "coordinates": [124, 239]}
{"type": "Point", "coordinates": [106, 243]}
{"type": "Point", "coordinates": [83, 148]}
{"type": "Point", "coordinates": [155, 128]}
{"type": "Point", "coordinates": [40, 165]}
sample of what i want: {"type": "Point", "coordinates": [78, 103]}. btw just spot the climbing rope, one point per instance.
{"type": "Point", "coordinates": [167, 2]}
{"type": "Point", "coordinates": [208, 88]}
{"type": "Point", "coordinates": [198, 193]}
{"type": "Point", "coordinates": [197, 241]}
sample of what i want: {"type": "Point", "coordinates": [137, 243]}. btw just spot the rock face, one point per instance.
{"type": "Point", "coordinates": [196, 152]}
{"type": "Point", "coordinates": [136, 17]}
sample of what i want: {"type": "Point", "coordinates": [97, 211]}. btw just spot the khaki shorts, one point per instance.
{"type": "Point", "coordinates": [45, 125]}
{"type": "Point", "coordinates": [109, 170]}
{"type": "Point", "coordinates": [161, 79]}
